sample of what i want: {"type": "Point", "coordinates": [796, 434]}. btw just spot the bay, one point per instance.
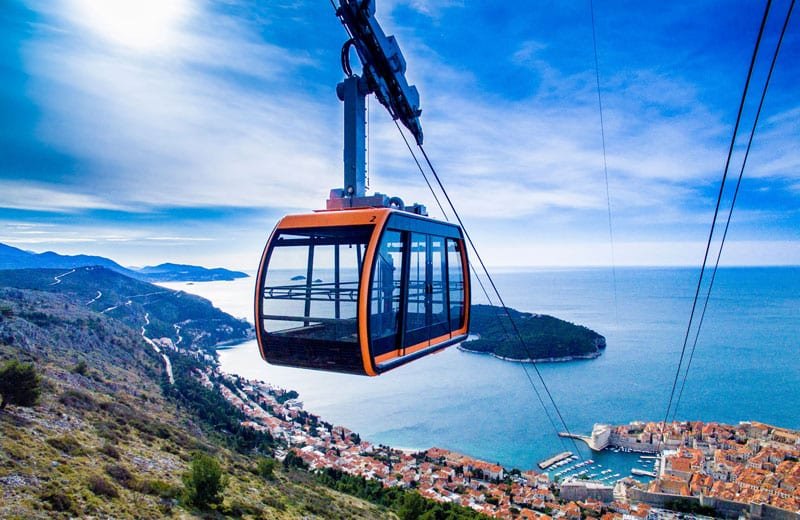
{"type": "Point", "coordinates": [746, 366]}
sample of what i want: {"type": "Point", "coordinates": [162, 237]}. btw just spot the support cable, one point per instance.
{"type": "Point", "coordinates": [605, 163]}
{"type": "Point", "coordinates": [733, 203]}
{"type": "Point", "coordinates": [500, 299]}
{"type": "Point", "coordinates": [714, 220]}
{"type": "Point", "coordinates": [480, 282]}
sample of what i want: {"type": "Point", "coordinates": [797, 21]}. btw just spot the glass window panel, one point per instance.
{"type": "Point", "coordinates": [386, 292]}
{"type": "Point", "coordinates": [311, 283]}
{"type": "Point", "coordinates": [436, 288]}
{"type": "Point", "coordinates": [417, 290]}
{"type": "Point", "coordinates": [455, 282]}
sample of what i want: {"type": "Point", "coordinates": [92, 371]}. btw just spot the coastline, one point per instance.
{"type": "Point", "coordinates": [593, 355]}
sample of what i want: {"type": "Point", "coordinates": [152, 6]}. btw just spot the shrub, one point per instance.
{"type": "Point", "coordinates": [238, 509]}
{"type": "Point", "coordinates": [121, 475]}
{"type": "Point", "coordinates": [102, 487]}
{"type": "Point", "coordinates": [19, 384]}
{"type": "Point", "coordinates": [266, 467]}
{"type": "Point", "coordinates": [111, 431]}
{"type": "Point", "coordinates": [159, 488]}
{"type": "Point", "coordinates": [67, 444]}
{"type": "Point", "coordinates": [292, 460]}
{"type": "Point", "coordinates": [57, 500]}
{"type": "Point", "coordinates": [6, 311]}
{"type": "Point", "coordinates": [81, 368]}
{"type": "Point", "coordinates": [110, 450]}
{"type": "Point", "coordinates": [77, 399]}
{"type": "Point", "coordinates": [204, 482]}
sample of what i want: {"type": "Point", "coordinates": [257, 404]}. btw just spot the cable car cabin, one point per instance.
{"type": "Point", "coordinates": [360, 291]}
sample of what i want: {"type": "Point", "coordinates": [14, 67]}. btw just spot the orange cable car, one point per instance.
{"type": "Point", "coordinates": [361, 291]}
{"type": "Point", "coordinates": [367, 285]}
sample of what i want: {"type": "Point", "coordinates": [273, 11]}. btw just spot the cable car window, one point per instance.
{"type": "Point", "coordinates": [416, 308]}
{"type": "Point", "coordinates": [455, 283]}
{"type": "Point", "coordinates": [386, 292]}
{"type": "Point", "coordinates": [436, 287]}
{"type": "Point", "coordinates": [311, 285]}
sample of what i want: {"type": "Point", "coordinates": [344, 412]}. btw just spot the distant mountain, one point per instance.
{"type": "Point", "coordinates": [184, 273]}
{"type": "Point", "coordinates": [14, 258]}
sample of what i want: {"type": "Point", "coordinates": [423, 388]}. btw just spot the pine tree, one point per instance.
{"type": "Point", "coordinates": [19, 384]}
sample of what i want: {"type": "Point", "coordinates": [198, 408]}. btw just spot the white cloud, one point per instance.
{"type": "Point", "coordinates": [29, 196]}
{"type": "Point", "coordinates": [175, 125]}
{"type": "Point", "coordinates": [163, 130]}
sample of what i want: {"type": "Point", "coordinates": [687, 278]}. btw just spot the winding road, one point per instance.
{"type": "Point", "coordinates": [99, 295]}
{"type": "Point", "coordinates": [167, 363]}
{"type": "Point", "coordinates": [59, 277]}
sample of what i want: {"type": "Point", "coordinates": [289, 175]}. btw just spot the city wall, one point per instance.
{"type": "Point", "coordinates": [723, 508]}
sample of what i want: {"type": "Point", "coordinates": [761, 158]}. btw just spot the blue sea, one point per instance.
{"type": "Point", "coordinates": [746, 366]}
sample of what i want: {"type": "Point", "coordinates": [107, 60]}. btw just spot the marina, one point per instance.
{"type": "Point", "coordinates": [610, 467]}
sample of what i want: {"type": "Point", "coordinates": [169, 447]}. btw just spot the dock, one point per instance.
{"type": "Point", "coordinates": [643, 473]}
{"type": "Point", "coordinates": [554, 459]}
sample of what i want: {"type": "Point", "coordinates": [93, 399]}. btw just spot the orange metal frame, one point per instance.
{"type": "Point", "coordinates": [356, 217]}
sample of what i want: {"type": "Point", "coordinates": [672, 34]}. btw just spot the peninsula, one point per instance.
{"type": "Point", "coordinates": [546, 338]}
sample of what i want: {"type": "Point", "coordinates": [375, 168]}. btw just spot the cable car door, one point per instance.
{"type": "Point", "coordinates": [426, 309]}
{"type": "Point", "coordinates": [437, 288]}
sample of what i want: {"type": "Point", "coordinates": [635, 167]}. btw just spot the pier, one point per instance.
{"type": "Point", "coordinates": [555, 459]}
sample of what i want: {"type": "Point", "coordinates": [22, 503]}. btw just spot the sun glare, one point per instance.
{"type": "Point", "coordinates": [139, 24]}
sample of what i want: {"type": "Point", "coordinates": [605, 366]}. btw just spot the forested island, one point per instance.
{"type": "Point", "coordinates": [546, 338]}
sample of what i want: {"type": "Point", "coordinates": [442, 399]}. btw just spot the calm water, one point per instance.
{"type": "Point", "coordinates": [747, 364]}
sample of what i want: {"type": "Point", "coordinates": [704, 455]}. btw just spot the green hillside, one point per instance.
{"type": "Point", "coordinates": [103, 440]}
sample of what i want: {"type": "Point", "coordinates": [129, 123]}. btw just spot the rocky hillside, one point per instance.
{"type": "Point", "coordinates": [104, 442]}
{"type": "Point", "coordinates": [188, 320]}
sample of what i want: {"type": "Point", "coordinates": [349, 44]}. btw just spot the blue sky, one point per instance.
{"type": "Point", "coordinates": [179, 130]}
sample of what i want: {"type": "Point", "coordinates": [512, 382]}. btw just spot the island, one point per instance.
{"type": "Point", "coordinates": [169, 272]}
{"type": "Point", "coordinates": [546, 338]}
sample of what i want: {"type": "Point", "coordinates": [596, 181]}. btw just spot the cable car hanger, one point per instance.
{"type": "Point", "coordinates": [368, 284]}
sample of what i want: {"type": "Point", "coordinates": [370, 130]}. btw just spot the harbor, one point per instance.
{"type": "Point", "coordinates": [607, 467]}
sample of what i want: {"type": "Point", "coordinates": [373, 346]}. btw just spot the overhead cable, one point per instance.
{"type": "Point", "coordinates": [733, 203]}
{"type": "Point", "coordinates": [714, 219]}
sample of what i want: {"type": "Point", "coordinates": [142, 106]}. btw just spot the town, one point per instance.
{"type": "Point", "coordinates": [709, 468]}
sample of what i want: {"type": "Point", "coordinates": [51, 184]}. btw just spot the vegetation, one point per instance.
{"type": "Point", "coordinates": [204, 482]}
{"type": "Point", "coordinates": [213, 410]}
{"type": "Point", "coordinates": [266, 467]}
{"type": "Point", "coordinates": [545, 337]}
{"type": "Point", "coordinates": [19, 384]}
{"type": "Point", "coordinates": [408, 505]}
{"type": "Point", "coordinates": [104, 442]}
{"type": "Point", "coordinates": [690, 506]}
